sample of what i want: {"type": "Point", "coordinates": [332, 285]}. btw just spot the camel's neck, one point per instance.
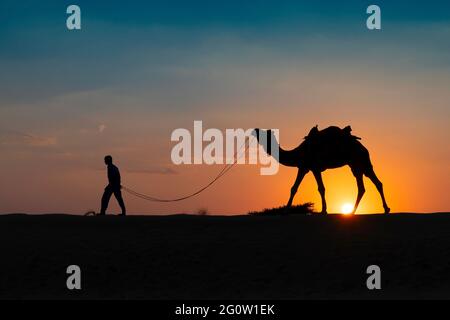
{"type": "Point", "coordinates": [288, 158]}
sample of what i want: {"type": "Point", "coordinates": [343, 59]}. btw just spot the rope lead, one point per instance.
{"type": "Point", "coordinates": [225, 169]}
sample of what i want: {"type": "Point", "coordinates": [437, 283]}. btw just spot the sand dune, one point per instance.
{"type": "Point", "coordinates": [241, 257]}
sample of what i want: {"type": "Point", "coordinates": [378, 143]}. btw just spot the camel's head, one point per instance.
{"type": "Point", "coordinates": [258, 132]}
{"type": "Point", "coordinates": [268, 138]}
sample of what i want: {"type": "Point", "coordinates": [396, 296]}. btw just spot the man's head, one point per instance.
{"type": "Point", "coordinates": [108, 160]}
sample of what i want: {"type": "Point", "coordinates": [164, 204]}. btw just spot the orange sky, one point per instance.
{"type": "Point", "coordinates": [121, 88]}
{"type": "Point", "coordinates": [410, 158]}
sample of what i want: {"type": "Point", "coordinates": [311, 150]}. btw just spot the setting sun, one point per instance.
{"type": "Point", "coordinates": [347, 208]}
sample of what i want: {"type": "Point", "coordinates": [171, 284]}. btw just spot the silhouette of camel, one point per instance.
{"type": "Point", "coordinates": [330, 148]}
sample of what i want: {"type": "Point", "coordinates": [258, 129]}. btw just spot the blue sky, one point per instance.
{"type": "Point", "coordinates": [117, 39]}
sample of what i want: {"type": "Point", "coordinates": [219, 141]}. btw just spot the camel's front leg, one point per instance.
{"type": "Point", "coordinates": [321, 188]}
{"type": "Point", "coordinates": [300, 175]}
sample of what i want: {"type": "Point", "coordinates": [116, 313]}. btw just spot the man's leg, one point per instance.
{"type": "Point", "coordinates": [118, 195]}
{"type": "Point", "coordinates": [105, 200]}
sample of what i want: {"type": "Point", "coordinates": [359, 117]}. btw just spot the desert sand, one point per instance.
{"type": "Point", "coordinates": [217, 257]}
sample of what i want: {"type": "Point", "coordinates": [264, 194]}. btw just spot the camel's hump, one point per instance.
{"type": "Point", "coordinates": [331, 132]}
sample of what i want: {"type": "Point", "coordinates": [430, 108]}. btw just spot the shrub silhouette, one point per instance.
{"type": "Point", "coordinates": [302, 209]}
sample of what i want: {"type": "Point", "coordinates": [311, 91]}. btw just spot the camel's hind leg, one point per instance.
{"type": "Point", "coordinates": [373, 177]}
{"type": "Point", "coordinates": [321, 188]}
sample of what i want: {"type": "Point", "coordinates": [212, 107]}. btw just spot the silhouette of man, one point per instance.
{"type": "Point", "coordinates": [113, 187]}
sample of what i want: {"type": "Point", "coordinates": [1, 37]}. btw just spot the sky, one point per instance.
{"type": "Point", "coordinates": [137, 70]}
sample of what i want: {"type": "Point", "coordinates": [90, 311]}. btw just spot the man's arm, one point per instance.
{"type": "Point", "coordinates": [118, 178]}
{"type": "Point", "coordinates": [114, 176]}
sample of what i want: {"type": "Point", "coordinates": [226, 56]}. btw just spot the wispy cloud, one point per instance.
{"type": "Point", "coordinates": [153, 170]}
{"type": "Point", "coordinates": [101, 128]}
{"type": "Point", "coordinates": [12, 137]}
